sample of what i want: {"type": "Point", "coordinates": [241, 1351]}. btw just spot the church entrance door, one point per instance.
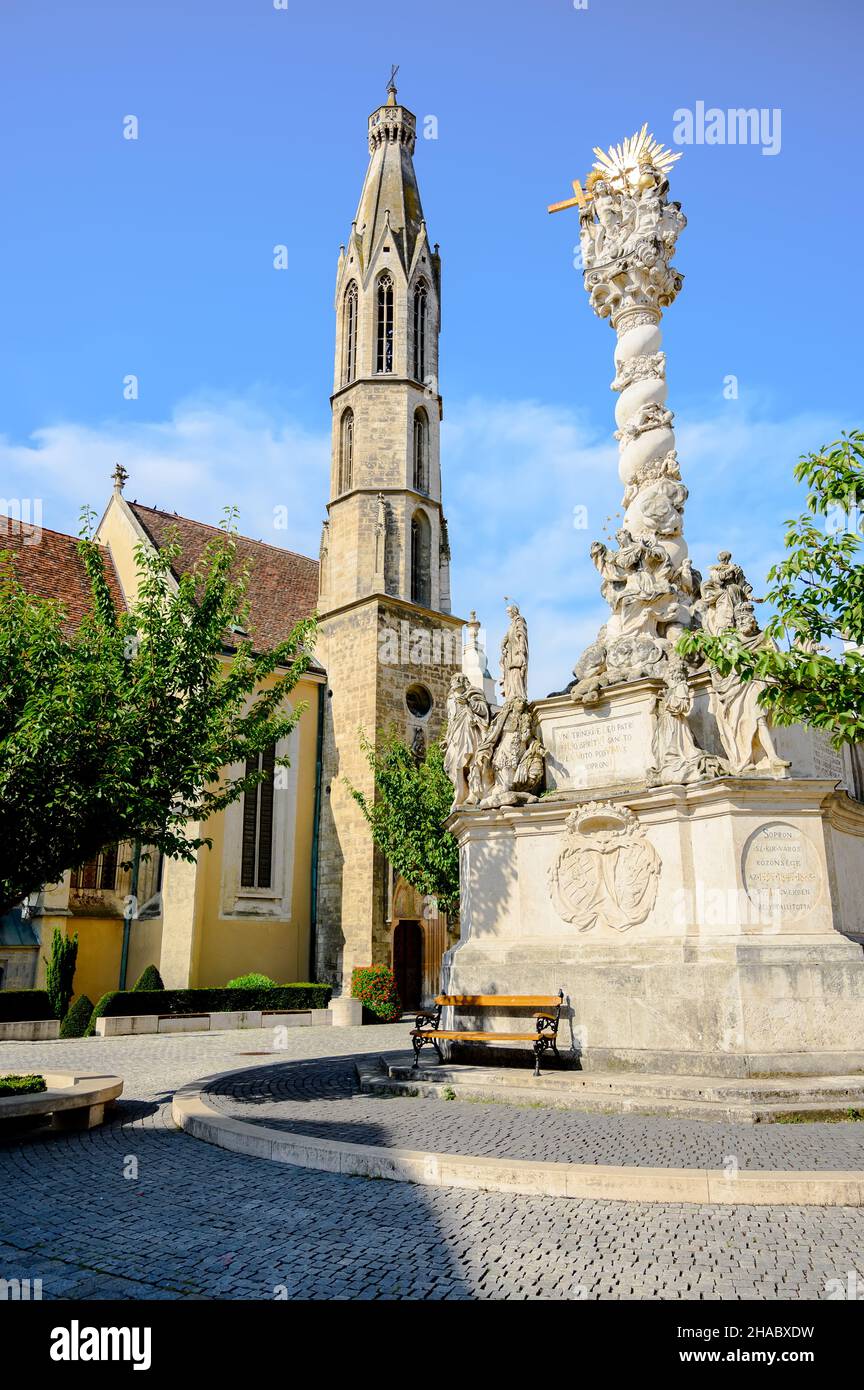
{"type": "Point", "coordinates": [408, 962]}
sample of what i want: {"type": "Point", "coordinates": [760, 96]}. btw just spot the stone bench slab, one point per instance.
{"type": "Point", "coordinates": [30, 1030]}
{"type": "Point", "coordinates": [124, 1024]}
{"type": "Point", "coordinates": [75, 1100]}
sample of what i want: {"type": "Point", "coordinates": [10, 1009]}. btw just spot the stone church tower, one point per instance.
{"type": "Point", "coordinates": [388, 641]}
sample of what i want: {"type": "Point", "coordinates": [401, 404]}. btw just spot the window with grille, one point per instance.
{"type": "Point", "coordinates": [98, 873]}
{"type": "Point", "coordinates": [350, 334]}
{"type": "Point", "coordinates": [257, 854]}
{"type": "Point", "coordinates": [420, 295]}
{"type": "Point", "coordinates": [384, 336]}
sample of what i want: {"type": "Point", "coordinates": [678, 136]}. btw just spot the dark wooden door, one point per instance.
{"type": "Point", "coordinates": [408, 962]}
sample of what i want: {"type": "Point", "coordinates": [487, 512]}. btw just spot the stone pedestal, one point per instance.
{"type": "Point", "coordinates": [346, 1012]}
{"type": "Point", "coordinates": [694, 929]}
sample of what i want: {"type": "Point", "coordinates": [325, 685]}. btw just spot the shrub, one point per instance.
{"type": "Point", "coordinates": [295, 998]}
{"type": "Point", "coordinates": [17, 1005]}
{"type": "Point", "coordinates": [61, 971]}
{"type": "Point", "coordinates": [77, 1021]}
{"type": "Point", "coordinates": [148, 979]}
{"type": "Point", "coordinates": [21, 1085]}
{"type": "Point", "coordinates": [375, 987]}
{"type": "Point", "coordinates": [252, 981]}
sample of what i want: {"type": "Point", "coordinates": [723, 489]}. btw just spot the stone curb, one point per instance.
{"type": "Point", "coordinates": [528, 1177]}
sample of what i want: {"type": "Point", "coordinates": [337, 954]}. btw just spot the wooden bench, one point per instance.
{"type": "Point", "coordinates": [428, 1030]}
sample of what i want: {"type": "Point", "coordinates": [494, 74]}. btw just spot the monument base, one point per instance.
{"type": "Point", "coordinates": [695, 930]}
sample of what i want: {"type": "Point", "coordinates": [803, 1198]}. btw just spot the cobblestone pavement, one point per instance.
{"type": "Point", "coordinates": [137, 1209]}
{"type": "Point", "coordinates": [321, 1098]}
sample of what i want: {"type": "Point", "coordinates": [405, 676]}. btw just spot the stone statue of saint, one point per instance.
{"type": "Point", "coordinates": [514, 657]}
{"type": "Point", "coordinates": [677, 758]}
{"type": "Point", "coordinates": [742, 722]}
{"type": "Point", "coordinates": [723, 592]}
{"type": "Point", "coordinates": [380, 540]}
{"type": "Point", "coordinates": [468, 716]}
{"type": "Point", "coordinates": [510, 760]}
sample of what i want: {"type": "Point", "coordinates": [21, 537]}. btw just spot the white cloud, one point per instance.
{"type": "Point", "coordinates": [514, 471]}
{"type": "Point", "coordinates": [209, 455]}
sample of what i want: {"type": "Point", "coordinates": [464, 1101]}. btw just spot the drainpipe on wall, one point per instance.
{"type": "Point", "coordinates": [316, 816]}
{"type": "Point", "coordinates": [131, 911]}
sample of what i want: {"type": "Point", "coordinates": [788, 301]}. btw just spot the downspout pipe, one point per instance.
{"type": "Point", "coordinates": [130, 913]}
{"type": "Point", "coordinates": [323, 693]}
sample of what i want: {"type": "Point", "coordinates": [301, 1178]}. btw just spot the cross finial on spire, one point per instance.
{"type": "Point", "coordinates": [120, 476]}
{"type": "Point", "coordinates": [391, 85]}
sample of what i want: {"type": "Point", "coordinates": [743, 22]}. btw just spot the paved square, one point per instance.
{"type": "Point", "coordinates": [139, 1210]}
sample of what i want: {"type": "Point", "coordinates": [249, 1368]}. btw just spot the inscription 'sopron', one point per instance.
{"type": "Point", "coordinates": [779, 864]}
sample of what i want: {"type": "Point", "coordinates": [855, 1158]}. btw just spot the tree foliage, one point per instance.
{"type": "Point", "coordinates": [817, 593]}
{"type": "Point", "coordinates": [122, 729]}
{"type": "Point", "coordinates": [406, 815]}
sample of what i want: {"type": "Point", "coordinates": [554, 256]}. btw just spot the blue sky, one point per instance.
{"type": "Point", "coordinates": [154, 257]}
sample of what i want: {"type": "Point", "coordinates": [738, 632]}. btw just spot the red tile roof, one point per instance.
{"type": "Point", "coordinates": [283, 586]}
{"type": "Point", "coordinates": [48, 565]}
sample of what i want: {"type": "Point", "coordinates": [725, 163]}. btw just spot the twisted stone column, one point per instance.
{"type": "Point", "coordinates": [628, 232]}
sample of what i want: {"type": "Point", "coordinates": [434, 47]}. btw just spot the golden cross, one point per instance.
{"type": "Point", "coordinates": [579, 200]}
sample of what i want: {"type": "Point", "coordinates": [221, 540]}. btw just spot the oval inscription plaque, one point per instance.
{"type": "Point", "coordinates": [781, 870]}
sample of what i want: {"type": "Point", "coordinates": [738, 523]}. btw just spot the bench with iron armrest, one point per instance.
{"type": "Point", "coordinates": [428, 1030]}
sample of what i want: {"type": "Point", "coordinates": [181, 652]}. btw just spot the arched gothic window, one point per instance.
{"type": "Point", "coordinates": [421, 560]}
{"type": "Point", "coordinates": [384, 335]}
{"type": "Point", "coordinates": [420, 298]}
{"type": "Point", "coordinates": [346, 450]}
{"type": "Point", "coordinates": [421, 451]}
{"type": "Point", "coordinates": [349, 334]}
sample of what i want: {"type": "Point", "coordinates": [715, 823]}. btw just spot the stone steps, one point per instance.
{"type": "Point", "coordinates": [747, 1101]}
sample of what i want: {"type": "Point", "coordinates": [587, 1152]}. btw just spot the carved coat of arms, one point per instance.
{"type": "Point", "coordinates": [606, 872]}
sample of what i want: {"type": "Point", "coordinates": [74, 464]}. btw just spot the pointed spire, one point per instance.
{"type": "Point", "coordinates": [390, 200]}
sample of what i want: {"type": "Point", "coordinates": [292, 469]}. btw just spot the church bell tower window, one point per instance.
{"type": "Point", "coordinates": [421, 451]}
{"type": "Point", "coordinates": [350, 332]}
{"type": "Point", "coordinates": [420, 331]}
{"type": "Point", "coordinates": [421, 556]}
{"type": "Point", "coordinates": [384, 336]}
{"type": "Point", "coordinates": [346, 451]}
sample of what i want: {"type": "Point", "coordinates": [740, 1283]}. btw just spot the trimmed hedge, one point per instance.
{"type": "Point", "coordinates": [290, 998]}
{"type": "Point", "coordinates": [18, 1005]}
{"type": "Point", "coordinates": [148, 979]}
{"type": "Point", "coordinates": [375, 987]}
{"type": "Point", "coordinates": [77, 1021]}
{"type": "Point", "coordinates": [21, 1085]}
{"type": "Point", "coordinates": [252, 981]}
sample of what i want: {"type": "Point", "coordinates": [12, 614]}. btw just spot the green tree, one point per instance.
{"type": "Point", "coordinates": [817, 593]}
{"type": "Point", "coordinates": [60, 971]}
{"type": "Point", "coordinates": [122, 729]}
{"type": "Point", "coordinates": [406, 816]}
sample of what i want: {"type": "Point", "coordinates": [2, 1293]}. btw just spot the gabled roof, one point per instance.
{"type": "Point", "coordinates": [48, 565]}
{"type": "Point", "coordinates": [283, 586]}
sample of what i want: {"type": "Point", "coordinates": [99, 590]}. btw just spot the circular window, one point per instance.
{"type": "Point", "coordinates": [419, 701]}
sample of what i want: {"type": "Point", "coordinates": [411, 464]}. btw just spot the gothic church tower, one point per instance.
{"type": "Point", "coordinates": [388, 641]}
